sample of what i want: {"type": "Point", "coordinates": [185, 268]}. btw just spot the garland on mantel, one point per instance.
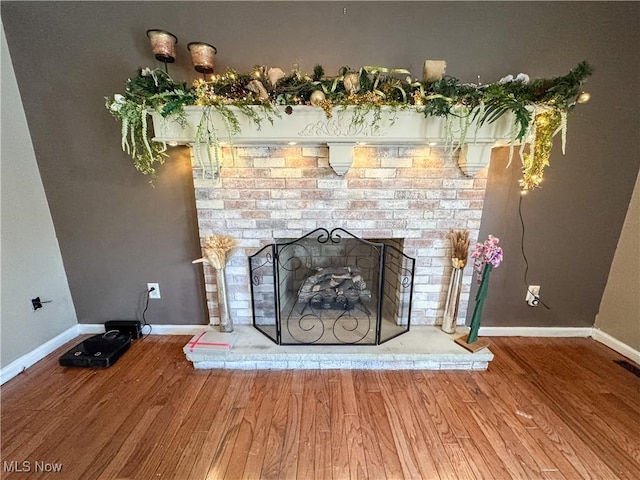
{"type": "Point", "coordinates": [539, 107]}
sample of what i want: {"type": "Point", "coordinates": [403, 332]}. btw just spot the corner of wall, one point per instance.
{"type": "Point", "coordinates": [31, 259]}
{"type": "Point", "coordinates": [619, 312]}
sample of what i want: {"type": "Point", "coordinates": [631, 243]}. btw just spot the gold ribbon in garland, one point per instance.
{"type": "Point", "coordinates": [377, 71]}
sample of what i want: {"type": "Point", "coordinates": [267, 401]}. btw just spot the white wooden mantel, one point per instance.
{"type": "Point", "coordinates": [308, 125]}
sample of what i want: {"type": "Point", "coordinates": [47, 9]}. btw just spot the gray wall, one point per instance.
{"type": "Point", "coordinates": [31, 261]}
{"type": "Point", "coordinates": [116, 232]}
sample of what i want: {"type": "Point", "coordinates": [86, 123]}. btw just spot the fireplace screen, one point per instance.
{"type": "Point", "coordinates": [331, 288]}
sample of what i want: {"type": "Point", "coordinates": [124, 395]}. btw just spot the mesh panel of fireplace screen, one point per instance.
{"type": "Point", "coordinates": [331, 288]}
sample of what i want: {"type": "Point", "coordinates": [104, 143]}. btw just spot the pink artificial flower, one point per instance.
{"type": "Point", "coordinates": [487, 252]}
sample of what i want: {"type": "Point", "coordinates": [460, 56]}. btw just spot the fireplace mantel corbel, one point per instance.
{"type": "Point", "coordinates": [346, 129]}
{"type": "Point", "coordinates": [341, 156]}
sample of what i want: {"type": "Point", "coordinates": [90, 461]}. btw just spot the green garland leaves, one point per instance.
{"type": "Point", "coordinates": [368, 88]}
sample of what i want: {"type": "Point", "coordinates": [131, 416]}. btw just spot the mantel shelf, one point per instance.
{"type": "Point", "coordinates": [310, 126]}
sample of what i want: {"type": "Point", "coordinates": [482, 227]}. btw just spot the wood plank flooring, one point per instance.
{"type": "Point", "coordinates": [545, 409]}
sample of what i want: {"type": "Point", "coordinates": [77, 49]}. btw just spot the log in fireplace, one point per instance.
{"type": "Point", "coordinates": [331, 288]}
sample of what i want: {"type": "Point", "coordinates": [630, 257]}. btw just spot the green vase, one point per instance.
{"type": "Point", "coordinates": [480, 297]}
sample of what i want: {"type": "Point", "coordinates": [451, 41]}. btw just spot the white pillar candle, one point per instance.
{"type": "Point", "coordinates": [433, 70]}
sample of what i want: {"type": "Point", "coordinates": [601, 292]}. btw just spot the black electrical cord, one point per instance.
{"type": "Point", "coordinates": [144, 319]}
{"type": "Point", "coordinates": [524, 256]}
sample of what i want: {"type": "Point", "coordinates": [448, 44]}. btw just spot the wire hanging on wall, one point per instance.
{"type": "Point", "coordinates": [524, 256]}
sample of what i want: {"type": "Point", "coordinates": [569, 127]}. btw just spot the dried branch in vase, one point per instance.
{"type": "Point", "coordinates": [218, 250]}
{"type": "Point", "coordinates": [459, 247]}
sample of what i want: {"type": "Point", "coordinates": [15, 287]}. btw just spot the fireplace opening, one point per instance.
{"type": "Point", "coordinates": [332, 288]}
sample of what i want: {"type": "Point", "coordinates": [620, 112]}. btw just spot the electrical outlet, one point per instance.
{"type": "Point", "coordinates": [36, 303]}
{"type": "Point", "coordinates": [533, 295]}
{"type": "Point", "coordinates": [156, 290]}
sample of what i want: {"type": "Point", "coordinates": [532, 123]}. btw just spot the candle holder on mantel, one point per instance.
{"type": "Point", "coordinates": [203, 57]}
{"type": "Point", "coordinates": [163, 45]}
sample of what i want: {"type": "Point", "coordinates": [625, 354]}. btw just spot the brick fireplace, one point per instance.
{"type": "Point", "coordinates": [416, 194]}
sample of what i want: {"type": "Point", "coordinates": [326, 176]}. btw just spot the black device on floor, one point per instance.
{"type": "Point", "coordinates": [102, 350]}
{"type": "Point", "coordinates": [132, 327]}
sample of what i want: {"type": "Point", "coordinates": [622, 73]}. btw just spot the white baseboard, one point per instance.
{"type": "Point", "coordinates": [90, 328]}
{"type": "Point", "coordinates": [86, 328]}
{"type": "Point", "coordinates": [155, 329]}
{"type": "Point", "coordinates": [176, 329]}
{"type": "Point", "coordinates": [616, 345]}
{"type": "Point", "coordinates": [18, 366]}
{"type": "Point", "coordinates": [25, 361]}
{"type": "Point", "coordinates": [582, 332]}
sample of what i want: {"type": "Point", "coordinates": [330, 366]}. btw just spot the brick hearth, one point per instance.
{"type": "Point", "coordinates": [422, 348]}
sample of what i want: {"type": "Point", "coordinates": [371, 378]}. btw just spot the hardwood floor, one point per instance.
{"type": "Point", "coordinates": [545, 409]}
